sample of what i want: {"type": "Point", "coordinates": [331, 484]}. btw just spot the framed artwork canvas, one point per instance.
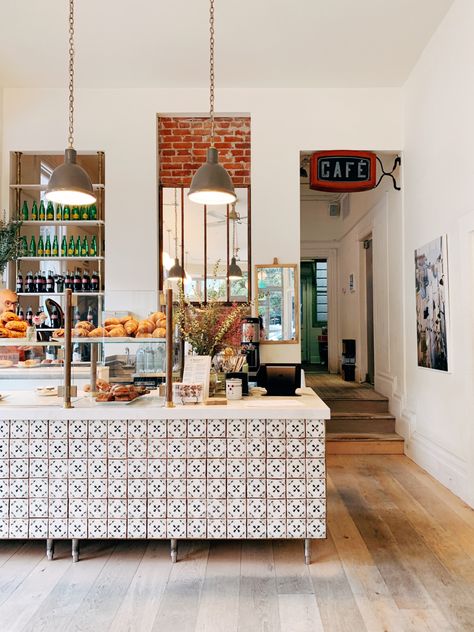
{"type": "Point", "coordinates": [432, 309]}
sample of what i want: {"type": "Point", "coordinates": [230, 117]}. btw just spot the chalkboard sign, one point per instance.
{"type": "Point", "coordinates": [343, 170]}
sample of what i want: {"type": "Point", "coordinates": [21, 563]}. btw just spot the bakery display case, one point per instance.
{"type": "Point", "coordinates": [123, 352]}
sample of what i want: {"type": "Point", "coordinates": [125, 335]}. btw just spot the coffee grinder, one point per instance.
{"type": "Point", "coordinates": [251, 341]}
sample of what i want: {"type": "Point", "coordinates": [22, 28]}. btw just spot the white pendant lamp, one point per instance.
{"type": "Point", "coordinates": [211, 183]}
{"type": "Point", "coordinates": [69, 183]}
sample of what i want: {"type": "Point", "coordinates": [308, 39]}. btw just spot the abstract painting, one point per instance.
{"type": "Point", "coordinates": [431, 272]}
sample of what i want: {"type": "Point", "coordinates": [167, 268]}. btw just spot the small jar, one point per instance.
{"type": "Point", "coordinates": [233, 388]}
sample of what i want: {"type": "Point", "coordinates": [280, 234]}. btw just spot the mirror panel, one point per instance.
{"type": "Point", "coordinates": [278, 302]}
{"type": "Point", "coordinates": [205, 238]}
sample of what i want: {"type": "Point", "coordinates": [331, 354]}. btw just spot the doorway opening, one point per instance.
{"type": "Point", "coordinates": [369, 295]}
{"type": "Point", "coordinates": [314, 315]}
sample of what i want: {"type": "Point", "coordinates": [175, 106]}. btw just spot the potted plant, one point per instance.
{"type": "Point", "coordinates": [10, 242]}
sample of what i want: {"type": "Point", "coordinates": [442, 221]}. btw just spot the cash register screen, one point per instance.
{"type": "Point", "coordinates": [281, 379]}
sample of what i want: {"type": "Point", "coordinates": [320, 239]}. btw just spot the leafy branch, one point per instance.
{"type": "Point", "coordinates": [10, 241]}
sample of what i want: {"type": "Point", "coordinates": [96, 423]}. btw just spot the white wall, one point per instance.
{"type": "Point", "coordinates": [123, 124]}
{"type": "Point", "coordinates": [438, 175]}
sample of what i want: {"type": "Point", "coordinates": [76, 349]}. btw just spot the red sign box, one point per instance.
{"type": "Point", "coordinates": [347, 171]}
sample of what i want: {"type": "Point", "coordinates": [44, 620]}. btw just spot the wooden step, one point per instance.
{"type": "Point", "coordinates": [377, 404]}
{"type": "Point", "coordinates": [361, 422]}
{"type": "Point", "coordinates": [364, 443]}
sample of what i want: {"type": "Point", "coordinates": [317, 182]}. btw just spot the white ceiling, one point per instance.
{"type": "Point", "coordinates": [259, 43]}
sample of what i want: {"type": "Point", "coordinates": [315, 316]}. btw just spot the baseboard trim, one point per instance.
{"type": "Point", "coordinates": [448, 469]}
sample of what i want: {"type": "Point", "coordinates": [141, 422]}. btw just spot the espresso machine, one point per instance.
{"type": "Point", "coordinates": [251, 341]}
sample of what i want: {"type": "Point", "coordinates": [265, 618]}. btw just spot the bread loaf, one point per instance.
{"type": "Point", "coordinates": [84, 324]}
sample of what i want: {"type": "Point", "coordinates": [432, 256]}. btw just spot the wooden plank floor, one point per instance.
{"type": "Point", "coordinates": [329, 386]}
{"type": "Point", "coordinates": [399, 557]}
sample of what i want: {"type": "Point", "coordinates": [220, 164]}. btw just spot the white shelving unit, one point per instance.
{"type": "Point", "coordinates": [29, 175]}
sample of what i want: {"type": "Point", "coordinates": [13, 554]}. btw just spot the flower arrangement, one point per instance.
{"type": "Point", "coordinates": [10, 242]}
{"type": "Point", "coordinates": [210, 327]}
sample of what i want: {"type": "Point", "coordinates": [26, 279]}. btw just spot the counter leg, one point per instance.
{"type": "Point", "coordinates": [174, 550]}
{"type": "Point", "coordinates": [75, 550]}
{"type": "Point", "coordinates": [50, 548]}
{"type": "Point", "coordinates": [307, 551]}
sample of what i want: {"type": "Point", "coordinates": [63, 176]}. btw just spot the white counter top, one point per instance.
{"type": "Point", "coordinates": [26, 404]}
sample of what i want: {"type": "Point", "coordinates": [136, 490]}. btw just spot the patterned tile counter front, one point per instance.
{"type": "Point", "coordinates": [232, 476]}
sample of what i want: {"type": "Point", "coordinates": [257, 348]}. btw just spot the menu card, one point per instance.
{"type": "Point", "coordinates": [196, 371]}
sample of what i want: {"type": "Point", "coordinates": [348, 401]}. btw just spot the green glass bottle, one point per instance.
{"type": "Point", "coordinates": [75, 214]}
{"type": "Point", "coordinates": [85, 247]}
{"type": "Point", "coordinates": [59, 212]}
{"type": "Point", "coordinates": [64, 247]}
{"type": "Point", "coordinates": [40, 249]}
{"type": "Point", "coordinates": [77, 249]}
{"type": "Point", "coordinates": [47, 247]}
{"type": "Point", "coordinates": [70, 249]}
{"type": "Point", "coordinates": [93, 212]}
{"type": "Point", "coordinates": [50, 212]}
{"type": "Point", "coordinates": [93, 248]}
{"type": "Point", "coordinates": [32, 250]}
{"type": "Point", "coordinates": [24, 212]}
{"type": "Point", "coordinates": [24, 247]}
{"type": "Point", "coordinates": [34, 211]}
{"type": "Point", "coordinates": [55, 248]}
{"type": "Point", "coordinates": [66, 213]}
{"type": "Point", "coordinates": [42, 212]}
{"type": "Point", "coordinates": [85, 213]}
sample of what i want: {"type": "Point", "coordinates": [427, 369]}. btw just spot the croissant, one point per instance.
{"type": "Point", "coordinates": [160, 332]}
{"type": "Point", "coordinates": [58, 333]}
{"type": "Point", "coordinates": [156, 316]}
{"type": "Point", "coordinates": [16, 325]}
{"type": "Point", "coordinates": [124, 320]}
{"type": "Point", "coordinates": [112, 321]}
{"type": "Point", "coordinates": [98, 332]}
{"type": "Point", "coordinates": [4, 332]}
{"type": "Point", "coordinates": [80, 332]}
{"type": "Point", "coordinates": [7, 316]}
{"type": "Point", "coordinates": [145, 327]}
{"type": "Point", "coordinates": [85, 325]}
{"type": "Point", "coordinates": [131, 327]}
{"type": "Point", "coordinates": [117, 332]}
{"type": "Point", "coordinates": [15, 334]}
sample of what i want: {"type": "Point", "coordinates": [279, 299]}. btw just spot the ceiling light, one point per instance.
{"type": "Point", "coordinates": [69, 183]}
{"type": "Point", "coordinates": [234, 271]}
{"type": "Point", "coordinates": [176, 272]}
{"type": "Point", "coordinates": [211, 183]}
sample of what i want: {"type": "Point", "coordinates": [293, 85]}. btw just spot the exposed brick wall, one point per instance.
{"type": "Point", "coordinates": [183, 141]}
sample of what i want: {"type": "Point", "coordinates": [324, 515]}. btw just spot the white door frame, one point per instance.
{"type": "Point", "coordinates": [313, 250]}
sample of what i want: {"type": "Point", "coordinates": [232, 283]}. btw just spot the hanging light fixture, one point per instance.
{"type": "Point", "coordinates": [70, 184]}
{"type": "Point", "coordinates": [234, 271]}
{"type": "Point", "coordinates": [211, 183]}
{"type": "Point", "coordinates": [176, 272]}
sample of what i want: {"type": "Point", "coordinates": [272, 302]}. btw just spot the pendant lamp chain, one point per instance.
{"type": "Point", "coordinates": [211, 68]}
{"type": "Point", "coordinates": [175, 224]}
{"type": "Point", "coordinates": [71, 73]}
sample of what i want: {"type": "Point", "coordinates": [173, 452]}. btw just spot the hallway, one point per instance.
{"type": "Point", "coordinates": [399, 557]}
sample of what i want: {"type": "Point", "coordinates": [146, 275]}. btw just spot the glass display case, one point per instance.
{"type": "Point", "coordinates": [43, 367]}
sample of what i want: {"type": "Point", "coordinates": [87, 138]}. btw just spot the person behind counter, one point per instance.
{"type": "Point", "coordinates": [8, 301]}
